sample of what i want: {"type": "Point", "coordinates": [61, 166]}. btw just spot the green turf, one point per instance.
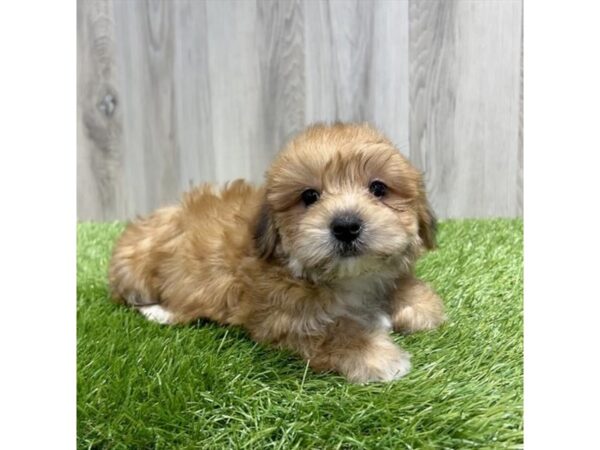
{"type": "Point", "coordinates": [141, 385]}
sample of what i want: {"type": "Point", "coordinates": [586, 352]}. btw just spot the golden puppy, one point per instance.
{"type": "Point", "coordinates": [318, 261]}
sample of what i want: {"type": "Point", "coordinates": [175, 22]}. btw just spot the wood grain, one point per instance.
{"type": "Point", "coordinates": [465, 59]}
{"type": "Point", "coordinates": [145, 32]}
{"type": "Point", "coordinates": [175, 93]}
{"type": "Point", "coordinates": [99, 129]}
{"type": "Point", "coordinates": [356, 53]}
{"type": "Point", "coordinates": [193, 110]}
{"type": "Point", "coordinates": [282, 74]}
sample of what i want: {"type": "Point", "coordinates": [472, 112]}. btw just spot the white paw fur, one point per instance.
{"type": "Point", "coordinates": [157, 313]}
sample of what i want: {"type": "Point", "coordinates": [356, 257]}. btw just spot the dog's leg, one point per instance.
{"type": "Point", "coordinates": [360, 355]}
{"type": "Point", "coordinates": [416, 307]}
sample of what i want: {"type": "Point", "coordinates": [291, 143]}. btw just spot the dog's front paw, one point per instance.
{"type": "Point", "coordinates": [424, 315]}
{"type": "Point", "coordinates": [416, 307]}
{"type": "Point", "coordinates": [384, 361]}
{"type": "Point", "coordinates": [410, 318]}
{"type": "Point", "coordinates": [389, 369]}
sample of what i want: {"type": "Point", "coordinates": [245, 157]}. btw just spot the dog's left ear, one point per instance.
{"type": "Point", "coordinates": [427, 225]}
{"type": "Point", "coordinates": [266, 236]}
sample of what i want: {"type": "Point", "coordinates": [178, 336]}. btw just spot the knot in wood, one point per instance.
{"type": "Point", "coordinates": [107, 105]}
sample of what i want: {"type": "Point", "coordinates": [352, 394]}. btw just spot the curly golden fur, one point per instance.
{"type": "Point", "coordinates": [326, 273]}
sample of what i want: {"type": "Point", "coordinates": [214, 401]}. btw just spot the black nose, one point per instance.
{"type": "Point", "coordinates": [346, 228]}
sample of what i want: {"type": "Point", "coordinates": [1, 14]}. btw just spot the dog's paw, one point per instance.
{"type": "Point", "coordinates": [383, 362]}
{"type": "Point", "coordinates": [390, 369]}
{"type": "Point", "coordinates": [417, 308]}
{"type": "Point", "coordinates": [157, 313]}
{"type": "Point", "coordinates": [411, 319]}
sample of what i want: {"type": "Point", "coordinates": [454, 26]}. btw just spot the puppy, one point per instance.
{"type": "Point", "coordinates": [319, 260]}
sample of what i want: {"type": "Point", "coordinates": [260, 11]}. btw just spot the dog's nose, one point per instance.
{"type": "Point", "coordinates": [346, 228]}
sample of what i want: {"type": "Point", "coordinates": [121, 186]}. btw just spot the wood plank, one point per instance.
{"type": "Point", "coordinates": [464, 97]}
{"type": "Point", "coordinates": [256, 68]}
{"type": "Point", "coordinates": [146, 37]}
{"type": "Point", "coordinates": [388, 92]}
{"type": "Point", "coordinates": [357, 64]}
{"type": "Point", "coordinates": [280, 27]}
{"type": "Point", "coordinates": [234, 86]}
{"type": "Point", "coordinates": [99, 130]}
{"type": "Point", "coordinates": [193, 109]}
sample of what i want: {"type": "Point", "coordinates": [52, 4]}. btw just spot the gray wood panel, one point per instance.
{"type": "Point", "coordinates": [356, 55]}
{"type": "Point", "coordinates": [174, 93]}
{"type": "Point", "coordinates": [145, 32]}
{"type": "Point", "coordinates": [100, 183]}
{"type": "Point", "coordinates": [465, 71]}
{"type": "Point", "coordinates": [192, 102]}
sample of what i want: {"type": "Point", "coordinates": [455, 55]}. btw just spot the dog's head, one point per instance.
{"type": "Point", "coordinates": [341, 201]}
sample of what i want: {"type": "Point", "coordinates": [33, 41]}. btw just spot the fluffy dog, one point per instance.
{"type": "Point", "coordinates": [318, 261]}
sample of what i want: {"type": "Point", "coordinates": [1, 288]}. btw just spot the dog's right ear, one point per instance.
{"type": "Point", "coordinates": [265, 234]}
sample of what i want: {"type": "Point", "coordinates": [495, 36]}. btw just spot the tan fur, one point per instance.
{"type": "Point", "coordinates": [260, 258]}
{"type": "Point", "coordinates": [416, 307]}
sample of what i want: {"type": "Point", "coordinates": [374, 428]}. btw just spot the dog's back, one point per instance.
{"type": "Point", "coordinates": [204, 238]}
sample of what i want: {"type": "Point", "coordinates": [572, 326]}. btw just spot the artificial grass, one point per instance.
{"type": "Point", "coordinates": [142, 385]}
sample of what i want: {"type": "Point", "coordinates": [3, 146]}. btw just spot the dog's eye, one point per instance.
{"type": "Point", "coordinates": [377, 188]}
{"type": "Point", "coordinates": [310, 196]}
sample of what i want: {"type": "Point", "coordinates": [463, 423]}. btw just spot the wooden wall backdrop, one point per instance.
{"type": "Point", "coordinates": [174, 93]}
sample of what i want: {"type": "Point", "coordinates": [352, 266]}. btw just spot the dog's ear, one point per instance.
{"type": "Point", "coordinates": [266, 236]}
{"type": "Point", "coordinates": [427, 225]}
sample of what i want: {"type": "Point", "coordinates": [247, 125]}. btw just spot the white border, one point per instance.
{"type": "Point", "coordinates": [37, 229]}
{"type": "Point", "coordinates": [562, 225]}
